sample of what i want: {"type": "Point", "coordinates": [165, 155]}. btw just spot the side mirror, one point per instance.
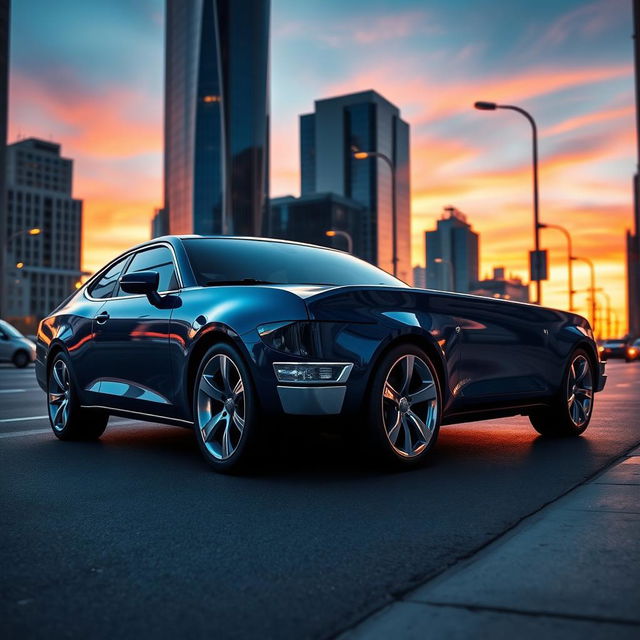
{"type": "Point", "coordinates": [142, 283]}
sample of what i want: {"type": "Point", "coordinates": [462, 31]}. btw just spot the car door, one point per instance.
{"type": "Point", "coordinates": [132, 341]}
{"type": "Point", "coordinates": [503, 350]}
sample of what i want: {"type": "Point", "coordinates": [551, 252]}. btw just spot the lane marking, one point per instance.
{"type": "Point", "coordinates": [13, 390]}
{"type": "Point", "coordinates": [17, 434]}
{"type": "Point", "coordinates": [623, 384]}
{"type": "Point", "coordinates": [23, 419]}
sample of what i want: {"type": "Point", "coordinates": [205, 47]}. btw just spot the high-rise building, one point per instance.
{"type": "Point", "coordinates": [452, 253]}
{"type": "Point", "coordinates": [362, 121]}
{"type": "Point", "coordinates": [419, 277]}
{"type": "Point", "coordinates": [159, 223]}
{"type": "Point", "coordinates": [4, 94]}
{"type": "Point", "coordinates": [43, 269]}
{"type": "Point", "coordinates": [502, 287]}
{"type": "Point", "coordinates": [216, 116]}
{"type": "Point", "coordinates": [308, 218]}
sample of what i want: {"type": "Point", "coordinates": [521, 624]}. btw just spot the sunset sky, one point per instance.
{"type": "Point", "coordinates": [90, 76]}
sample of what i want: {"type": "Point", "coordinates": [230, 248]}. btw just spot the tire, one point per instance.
{"type": "Point", "coordinates": [20, 359]}
{"type": "Point", "coordinates": [68, 419]}
{"type": "Point", "coordinates": [571, 411]}
{"type": "Point", "coordinates": [404, 407]}
{"type": "Point", "coordinates": [225, 410]}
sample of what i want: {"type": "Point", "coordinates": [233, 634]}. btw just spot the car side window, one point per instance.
{"type": "Point", "coordinates": [105, 285]}
{"type": "Point", "coordinates": [157, 259]}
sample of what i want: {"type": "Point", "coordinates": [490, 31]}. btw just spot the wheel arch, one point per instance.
{"type": "Point", "coordinates": [209, 338]}
{"type": "Point", "coordinates": [428, 345]}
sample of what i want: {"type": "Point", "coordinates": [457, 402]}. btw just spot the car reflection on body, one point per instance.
{"type": "Point", "coordinates": [224, 335]}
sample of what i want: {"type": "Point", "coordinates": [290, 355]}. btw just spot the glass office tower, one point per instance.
{"type": "Point", "coordinates": [368, 122]}
{"type": "Point", "coordinates": [216, 116]}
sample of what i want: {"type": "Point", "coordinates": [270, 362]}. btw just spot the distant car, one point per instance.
{"type": "Point", "coordinates": [227, 336]}
{"type": "Point", "coordinates": [633, 351]}
{"type": "Point", "coordinates": [14, 347]}
{"type": "Point", "coordinates": [613, 349]}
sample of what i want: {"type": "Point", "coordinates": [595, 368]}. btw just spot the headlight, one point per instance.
{"type": "Point", "coordinates": [312, 372]}
{"type": "Point", "coordinates": [295, 338]}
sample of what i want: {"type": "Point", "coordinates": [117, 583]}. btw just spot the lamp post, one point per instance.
{"type": "Point", "coordinates": [492, 106]}
{"type": "Point", "coordinates": [362, 155]}
{"type": "Point", "coordinates": [542, 225]}
{"type": "Point", "coordinates": [451, 273]}
{"type": "Point", "coordinates": [332, 233]}
{"type": "Point", "coordinates": [33, 231]}
{"type": "Point", "coordinates": [608, 311]}
{"type": "Point", "coordinates": [592, 288]}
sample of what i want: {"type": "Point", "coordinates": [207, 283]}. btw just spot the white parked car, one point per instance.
{"type": "Point", "coordinates": [14, 347]}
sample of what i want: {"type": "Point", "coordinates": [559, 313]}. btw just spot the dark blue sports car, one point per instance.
{"type": "Point", "coordinates": [224, 335]}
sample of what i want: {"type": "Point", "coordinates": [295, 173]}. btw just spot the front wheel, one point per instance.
{"type": "Point", "coordinates": [225, 410]}
{"type": "Point", "coordinates": [404, 407]}
{"type": "Point", "coordinates": [69, 420]}
{"type": "Point", "coordinates": [570, 413]}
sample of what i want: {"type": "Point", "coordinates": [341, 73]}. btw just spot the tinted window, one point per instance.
{"type": "Point", "coordinates": [104, 286]}
{"type": "Point", "coordinates": [157, 259]}
{"type": "Point", "coordinates": [219, 260]}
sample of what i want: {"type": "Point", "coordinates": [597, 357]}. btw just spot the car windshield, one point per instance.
{"type": "Point", "coordinates": [614, 343]}
{"type": "Point", "coordinates": [10, 330]}
{"type": "Point", "coordinates": [246, 262]}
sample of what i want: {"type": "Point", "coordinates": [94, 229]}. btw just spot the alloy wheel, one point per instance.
{"type": "Point", "coordinates": [409, 406]}
{"type": "Point", "coordinates": [59, 395]}
{"type": "Point", "coordinates": [580, 390]}
{"type": "Point", "coordinates": [221, 406]}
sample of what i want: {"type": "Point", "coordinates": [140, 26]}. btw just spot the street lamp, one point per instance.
{"type": "Point", "coordinates": [363, 155]}
{"type": "Point", "coordinates": [34, 231]}
{"type": "Point", "coordinates": [542, 225]}
{"type": "Point", "coordinates": [451, 274]}
{"type": "Point", "coordinates": [492, 106]}
{"type": "Point", "coordinates": [332, 233]}
{"type": "Point", "coordinates": [592, 288]}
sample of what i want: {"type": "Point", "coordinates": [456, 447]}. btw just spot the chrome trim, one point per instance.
{"type": "Point", "coordinates": [312, 401]}
{"type": "Point", "coordinates": [346, 371]}
{"type": "Point", "coordinates": [137, 413]}
{"type": "Point", "coordinates": [126, 254]}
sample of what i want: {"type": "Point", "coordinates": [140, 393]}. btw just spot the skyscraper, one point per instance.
{"type": "Point", "coordinates": [216, 116]}
{"type": "Point", "coordinates": [42, 269]}
{"type": "Point", "coordinates": [452, 253]}
{"type": "Point", "coordinates": [308, 218]}
{"type": "Point", "coordinates": [362, 121]}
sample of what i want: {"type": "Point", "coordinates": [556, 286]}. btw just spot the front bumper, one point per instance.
{"type": "Point", "coordinates": [602, 377]}
{"type": "Point", "coordinates": [311, 401]}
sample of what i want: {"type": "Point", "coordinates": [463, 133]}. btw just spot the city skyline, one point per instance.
{"type": "Point", "coordinates": [571, 66]}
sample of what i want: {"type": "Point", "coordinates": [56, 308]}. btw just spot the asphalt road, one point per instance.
{"type": "Point", "coordinates": [134, 536]}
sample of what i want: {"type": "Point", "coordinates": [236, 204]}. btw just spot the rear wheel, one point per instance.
{"type": "Point", "coordinates": [404, 407]}
{"type": "Point", "coordinates": [21, 359]}
{"type": "Point", "coordinates": [224, 408]}
{"type": "Point", "coordinates": [68, 419]}
{"type": "Point", "coordinates": [571, 411]}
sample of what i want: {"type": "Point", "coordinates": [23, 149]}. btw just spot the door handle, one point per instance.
{"type": "Point", "coordinates": [101, 318]}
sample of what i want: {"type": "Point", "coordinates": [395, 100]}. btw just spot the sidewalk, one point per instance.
{"type": "Point", "coordinates": [572, 570]}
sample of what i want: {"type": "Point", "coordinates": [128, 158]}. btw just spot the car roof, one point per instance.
{"type": "Point", "coordinates": [173, 239]}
